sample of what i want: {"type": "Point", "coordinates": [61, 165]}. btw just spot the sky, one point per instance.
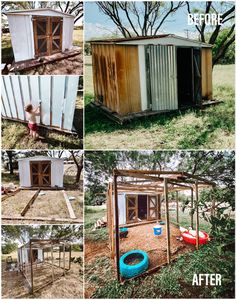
{"type": "Point", "coordinates": [98, 25]}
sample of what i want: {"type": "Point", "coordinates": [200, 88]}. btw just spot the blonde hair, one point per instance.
{"type": "Point", "coordinates": [28, 107]}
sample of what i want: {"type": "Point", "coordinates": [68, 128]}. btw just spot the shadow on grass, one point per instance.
{"type": "Point", "coordinates": [15, 136]}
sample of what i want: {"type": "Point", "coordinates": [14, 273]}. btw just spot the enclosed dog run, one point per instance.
{"type": "Point", "coordinates": [42, 262]}
{"type": "Point", "coordinates": [41, 171]}
{"type": "Point", "coordinates": [56, 96]}
{"type": "Point", "coordinates": [126, 212]}
{"type": "Point", "coordinates": [147, 75]}
{"type": "Point", "coordinates": [39, 32]}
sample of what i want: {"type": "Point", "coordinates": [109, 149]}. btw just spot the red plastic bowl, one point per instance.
{"type": "Point", "coordinates": [188, 238]}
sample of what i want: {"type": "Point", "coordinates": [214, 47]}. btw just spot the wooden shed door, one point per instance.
{"type": "Point", "coordinates": [40, 173]}
{"type": "Point", "coordinates": [47, 35]}
{"type": "Point", "coordinates": [131, 208]}
{"type": "Point", "coordinates": [152, 207]}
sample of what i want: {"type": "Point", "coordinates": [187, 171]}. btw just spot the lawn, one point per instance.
{"type": "Point", "coordinates": [173, 281]}
{"type": "Point", "coordinates": [15, 136]}
{"type": "Point", "coordinates": [78, 37]}
{"type": "Point", "coordinates": [211, 128]}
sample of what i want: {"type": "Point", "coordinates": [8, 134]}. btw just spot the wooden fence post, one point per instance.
{"type": "Point", "coordinates": [197, 215]}
{"type": "Point", "coordinates": [192, 208]}
{"type": "Point", "coordinates": [117, 235]}
{"type": "Point", "coordinates": [177, 207]}
{"type": "Point", "coordinates": [167, 219]}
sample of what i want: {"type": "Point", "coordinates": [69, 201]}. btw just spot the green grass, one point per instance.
{"type": "Point", "coordinates": [210, 128]}
{"type": "Point", "coordinates": [15, 136]}
{"type": "Point", "coordinates": [78, 37]}
{"type": "Point", "coordinates": [173, 281]}
{"type": "Point", "coordinates": [8, 178]}
{"type": "Point", "coordinates": [92, 214]}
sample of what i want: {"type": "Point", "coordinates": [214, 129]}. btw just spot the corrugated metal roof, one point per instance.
{"type": "Point", "coordinates": [163, 38]}
{"type": "Point", "coordinates": [28, 11]}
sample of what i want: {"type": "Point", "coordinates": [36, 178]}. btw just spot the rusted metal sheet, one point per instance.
{"type": "Point", "coordinates": [57, 94]}
{"type": "Point", "coordinates": [206, 62]}
{"type": "Point", "coordinates": [116, 77]}
{"type": "Point", "coordinates": [105, 76]}
{"type": "Point", "coordinates": [161, 68]}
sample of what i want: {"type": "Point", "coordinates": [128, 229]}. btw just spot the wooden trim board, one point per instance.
{"type": "Point", "coordinates": [69, 206]}
{"type": "Point", "coordinates": [31, 201]}
{"type": "Point", "coordinates": [59, 220]}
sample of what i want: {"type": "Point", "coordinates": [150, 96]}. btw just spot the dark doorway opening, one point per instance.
{"type": "Point", "coordinates": [189, 76]}
{"type": "Point", "coordinates": [185, 77]}
{"type": "Point", "coordinates": [142, 207]}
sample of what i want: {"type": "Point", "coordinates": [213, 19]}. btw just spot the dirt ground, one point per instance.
{"type": "Point", "coordinates": [69, 66]}
{"type": "Point", "coordinates": [94, 250]}
{"type": "Point", "coordinates": [69, 286]}
{"type": "Point", "coordinates": [142, 238]}
{"type": "Point", "coordinates": [49, 205]}
{"type": "Point", "coordinates": [12, 206]}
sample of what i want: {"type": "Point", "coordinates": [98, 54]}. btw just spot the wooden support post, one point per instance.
{"type": "Point", "coordinates": [191, 207]}
{"type": "Point", "coordinates": [197, 215]}
{"type": "Point", "coordinates": [31, 269]}
{"type": "Point", "coordinates": [117, 235]}
{"type": "Point", "coordinates": [213, 203]}
{"type": "Point", "coordinates": [167, 219]}
{"type": "Point", "coordinates": [158, 207]}
{"type": "Point", "coordinates": [59, 256]}
{"type": "Point", "coordinates": [70, 257]}
{"type": "Point", "coordinates": [64, 259]}
{"type": "Point", "coordinates": [52, 262]}
{"type": "Point", "coordinates": [177, 208]}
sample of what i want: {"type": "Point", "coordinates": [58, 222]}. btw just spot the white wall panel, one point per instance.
{"type": "Point", "coordinates": [57, 94]}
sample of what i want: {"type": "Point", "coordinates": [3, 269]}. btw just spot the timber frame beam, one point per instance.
{"type": "Point", "coordinates": [152, 182]}
{"type": "Point", "coordinates": [48, 245]}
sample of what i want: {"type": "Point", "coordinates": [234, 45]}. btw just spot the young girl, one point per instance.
{"type": "Point", "coordinates": [31, 116]}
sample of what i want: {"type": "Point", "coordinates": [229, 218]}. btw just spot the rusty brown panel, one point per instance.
{"type": "Point", "coordinates": [206, 73]}
{"type": "Point", "coordinates": [123, 105]}
{"type": "Point", "coordinates": [112, 77]}
{"type": "Point", "coordinates": [105, 82]}
{"type": "Point", "coordinates": [203, 68]}
{"type": "Point", "coordinates": [94, 70]}
{"type": "Point", "coordinates": [133, 79]}
{"type": "Point", "coordinates": [128, 79]}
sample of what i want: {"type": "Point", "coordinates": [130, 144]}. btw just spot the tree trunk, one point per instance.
{"type": "Point", "coordinates": [10, 156]}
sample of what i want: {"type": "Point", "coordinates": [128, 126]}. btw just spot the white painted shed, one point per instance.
{"type": "Point", "coordinates": [39, 32]}
{"type": "Point", "coordinates": [24, 255]}
{"type": "Point", "coordinates": [138, 207]}
{"type": "Point", "coordinates": [41, 171]}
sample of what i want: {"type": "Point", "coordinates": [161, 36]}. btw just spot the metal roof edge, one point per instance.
{"type": "Point", "coordinates": [37, 9]}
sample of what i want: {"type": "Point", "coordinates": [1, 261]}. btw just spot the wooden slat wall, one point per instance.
{"type": "Point", "coordinates": [57, 95]}
{"type": "Point", "coordinates": [207, 73]}
{"type": "Point", "coordinates": [127, 65]}
{"type": "Point", "coordinates": [116, 77]}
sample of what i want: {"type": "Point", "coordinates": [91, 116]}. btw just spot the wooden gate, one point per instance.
{"type": "Point", "coordinates": [131, 208]}
{"type": "Point", "coordinates": [40, 173]}
{"type": "Point", "coordinates": [47, 35]}
{"type": "Point", "coordinates": [152, 208]}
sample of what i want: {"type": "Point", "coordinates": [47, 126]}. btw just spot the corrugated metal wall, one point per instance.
{"type": "Point", "coordinates": [116, 77]}
{"type": "Point", "coordinates": [57, 94]}
{"type": "Point", "coordinates": [161, 70]}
